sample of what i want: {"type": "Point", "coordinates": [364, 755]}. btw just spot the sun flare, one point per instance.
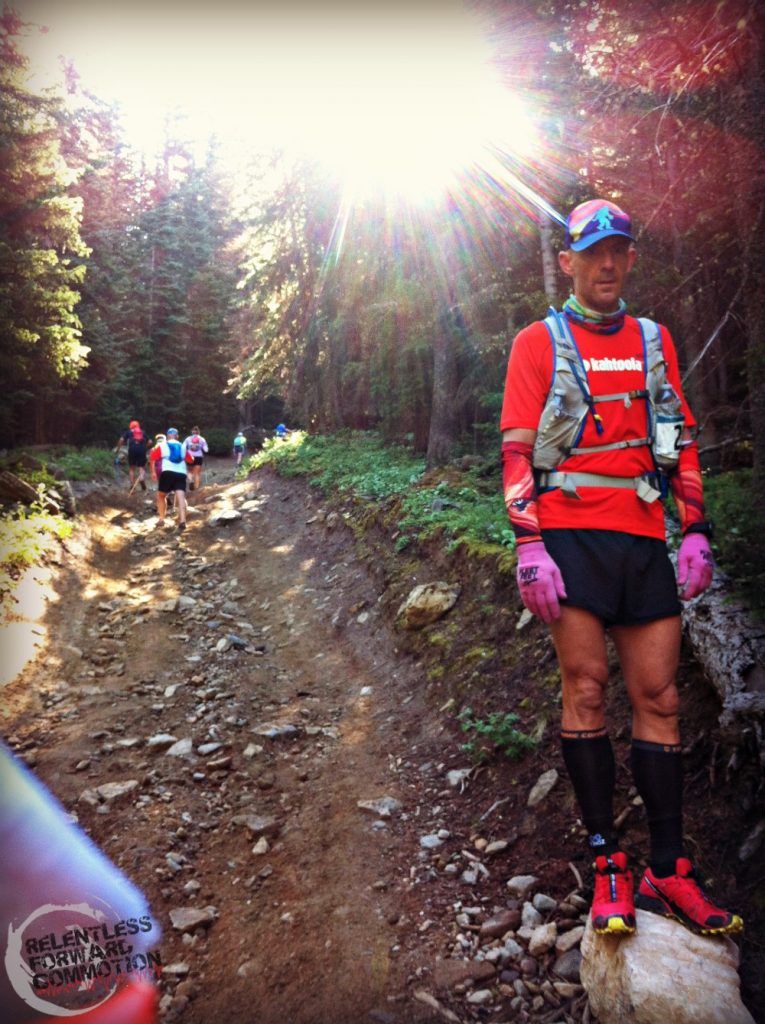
{"type": "Point", "coordinates": [394, 98]}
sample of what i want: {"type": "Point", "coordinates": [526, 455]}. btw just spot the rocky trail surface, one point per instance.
{"type": "Point", "coordinates": [227, 713]}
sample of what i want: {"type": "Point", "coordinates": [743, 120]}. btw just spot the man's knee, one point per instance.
{"type": "Point", "coordinates": [662, 700]}
{"type": "Point", "coordinates": [586, 693]}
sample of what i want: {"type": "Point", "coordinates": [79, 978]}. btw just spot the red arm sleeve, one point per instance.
{"type": "Point", "coordinates": [520, 491]}
{"type": "Point", "coordinates": [687, 488]}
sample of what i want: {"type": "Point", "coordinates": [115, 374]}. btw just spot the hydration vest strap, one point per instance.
{"type": "Point", "coordinates": [563, 333]}
{"type": "Point", "coordinates": [637, 442]}
{"type": "Point", "coordinates": [647, 487]}
{"type": "Point", "coordinates": [624, 396]}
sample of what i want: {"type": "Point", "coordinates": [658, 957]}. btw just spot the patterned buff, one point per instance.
{"type": "Point", "coordinates": [599, 323]}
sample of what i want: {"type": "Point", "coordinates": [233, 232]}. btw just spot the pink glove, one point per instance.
{"type": "Point", "coordinates": [539, 581]}
{"type": "Point", "coordinates": [695, 566]}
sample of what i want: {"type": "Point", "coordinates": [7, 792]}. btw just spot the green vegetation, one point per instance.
{"type": "Point", "coordinates": [75, 463]}
{"type": "Point", "coordinates": [465, 508]}
{"type": "Point", "coordinates": [497, 732]}
{"type": "Point", "coordinates": [362, 465]}
{"type": "Point", "coordinates": [26, 536]}
{"type": "Point", "coordinates": [738, 533]}
{"type": "Point", "coordinates": [352, 462]}
{"type": "Point", "coordinates": [463, 514]}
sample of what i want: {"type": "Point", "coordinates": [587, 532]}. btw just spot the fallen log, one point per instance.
{"type": "Point", "coordinates": [13, 488]}
{"type": "Point", "coordinates": [730, 647]}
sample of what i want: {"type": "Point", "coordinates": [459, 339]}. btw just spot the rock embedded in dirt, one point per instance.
{"type": "Point", "coordinates": [108, 791]}
{"type": "Point", "coordinates": [568, 965]}
{"type": "Point", "coordinates": [499, 924]}
{"type": "Point", "coordinates": [258, 824]}
{"type": "Point", "coordinates": [224, 517]}
{"type": "Point", "coordinates": [161, 740]}
{"type": "Point", "coordinates": [384, 807]}
{"type": "Point", "coordinates": [188, 919]}
{"type": "Point", "coordinates": [427, 603]}
{"type": "Point", "coordinates": [521, 885]}
{"type": "Point", "coordinates": [542, 787]}
{"type": "Point", "coordinates": [182, 748]}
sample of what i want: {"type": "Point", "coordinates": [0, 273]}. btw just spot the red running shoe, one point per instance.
{"type": "Point", "coordinates": [613, 909]}
{"type": "Point", "coordinates": [680, 896]}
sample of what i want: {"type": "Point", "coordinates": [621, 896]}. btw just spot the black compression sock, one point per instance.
{"type": "Point", "coordinates": [589, 760]}
{"type": "Point", "coordinates": [657, 769]}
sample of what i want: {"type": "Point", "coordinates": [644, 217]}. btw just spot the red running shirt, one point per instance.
{"type": "Point", "coordinates": [614, 363]}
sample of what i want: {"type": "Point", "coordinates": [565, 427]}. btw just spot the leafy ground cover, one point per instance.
{"type": "Point", "coordinates": [464, 506]}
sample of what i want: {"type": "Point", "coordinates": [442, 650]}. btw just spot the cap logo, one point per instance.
{"type": "Point", "coordinates": [604, 218]}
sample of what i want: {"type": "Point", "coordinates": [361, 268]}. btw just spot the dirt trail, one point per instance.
{"type": "Point", "coordinates": [265, 641]}
{"type": "Point", "coordinates": [306, 931]}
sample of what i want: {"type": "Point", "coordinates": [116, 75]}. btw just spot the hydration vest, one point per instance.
{"type": "Point", "coordinates": [137, 440]}
{"type": "Point", "coordinates": [174, 452]}
{"type": "Point", "coordinates": [570, 401]}
{"type": "Point", "coordinates": [195, 444]}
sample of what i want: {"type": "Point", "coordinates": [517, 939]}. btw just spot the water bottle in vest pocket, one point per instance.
{"type": "Point", "coordinates": [668, 428]}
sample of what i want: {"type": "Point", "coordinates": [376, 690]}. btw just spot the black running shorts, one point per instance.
{"type": "Point", "coordinates": [136, 458]}
{"type": "Point", "coordinates": [198, 460]}
{"type": "Point", "coordinates": [169, 481]}
{"type": "Point", "coordinates": [623, 579]}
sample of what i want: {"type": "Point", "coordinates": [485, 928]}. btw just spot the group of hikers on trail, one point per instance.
{"type": "Point", "coordinates": [174, 463]}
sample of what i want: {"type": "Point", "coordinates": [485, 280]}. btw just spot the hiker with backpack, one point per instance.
{"type": "Point", "coordinates": [136, 442]}
{"type": "Point", "coordinates": [172, 458]}
{"type": "Point", "coordinates": [196, 446]}
{"type": "Point", "coordinates": [240, 447]}
{"type": "Point", "coordinates": [596, 430]}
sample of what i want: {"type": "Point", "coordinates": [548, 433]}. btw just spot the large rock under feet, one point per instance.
{"type": "Point", "coordinates": [662, 973]}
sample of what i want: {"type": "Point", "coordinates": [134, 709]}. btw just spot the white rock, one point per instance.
{"type": "Point", "coordinates": [427, 603]}
{"type": "Point", "coordinates": [431, 842]}
{"type": "Point", "coordinates": [458, 776]}
{"type": "Point", "coordinates": [567, 940]}
{"type": "Point", "coordinates": [662, 973]}
{"type": "Point", "coordinates": [114, 790]}
{"type": "Point", "coordinates": [530, 916]}
{"type": "Point", "coordinates": [226, 515]}
{"type": "Point", "coordinates": [496, 847]}
{"type": "Point", "coordinates": [161, 739]}
{"type": "Point", "coordinates": [543, 938]}
{"type": "Point", "coordinates": [181, 749]}
{"type": "Point", "coordinates": [521, 885]}
{"type": "Point", "coordinates": [384, 807]}
{"type": "Point", "coordinates": [542, 787]}
{"type": "Point", "coordinates": [187, 919]}
{"type": "Point", "coordinates": [481, 997]}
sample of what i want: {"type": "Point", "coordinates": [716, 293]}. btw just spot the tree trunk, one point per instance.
{"type": "Point", "coordinates": [441, 437]}
{"type": "Point", "coordinates": [549, 264]}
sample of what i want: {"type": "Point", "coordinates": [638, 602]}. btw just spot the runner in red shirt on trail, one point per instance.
{"type": "Point", "coordinates": [595, 429]}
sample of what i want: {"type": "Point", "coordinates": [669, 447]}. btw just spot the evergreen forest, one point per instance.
{"type": "Point", "coordinates": [179, 289]}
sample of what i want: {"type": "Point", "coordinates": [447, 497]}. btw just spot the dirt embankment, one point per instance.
{"type": "Point", "coordinates": [267, 640]}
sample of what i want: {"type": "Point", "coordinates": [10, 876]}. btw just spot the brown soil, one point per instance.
{"type": "Point", "coordinates": [341, 920]}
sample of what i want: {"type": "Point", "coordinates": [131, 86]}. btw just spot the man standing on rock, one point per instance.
{"type": "Point", "coordinates": [595, 430]}
{"type": "Point", "coordinates": [172, 458]}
